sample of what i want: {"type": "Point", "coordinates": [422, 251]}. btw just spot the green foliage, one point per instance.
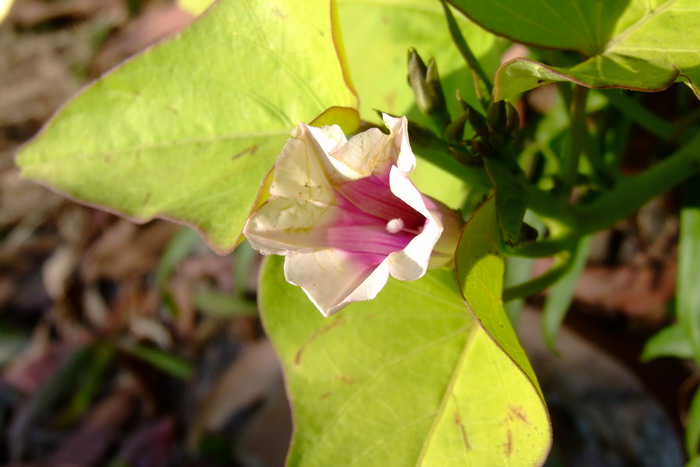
{"type": "Point", "coordinates": [688, 292]}
{"type": "Point", "coordinates": [561, 296]}
{"type": "Point", "coordinates": [631, 44]}
{"type": "Point", "coordinates": [359, 395]}
{"type": "Point", "coordinates": [188, 130]}
{"type": "Point", "coordinates": [671, 341]}
{"type": "Point", "coordinates": [480, 270]}
{"type": "Point", "coordinates": [692, 435]}
{"type": "Point", "coordinates": [377, 35]}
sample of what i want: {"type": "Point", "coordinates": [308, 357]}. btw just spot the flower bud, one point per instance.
{"type": "Point", "coordinates": [425, 83]}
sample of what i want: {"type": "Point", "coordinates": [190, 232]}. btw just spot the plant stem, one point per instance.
{"type": "Point", "coordinates": [576, 141]}
{"type": "Point", "coordinates": [468, 55]}
{"type": "Point", "coordinates": [542, 248]}
{"type": "Point", "coordinates": [541, 282]}
{"type": "Point", "coordinates": [632, 193]}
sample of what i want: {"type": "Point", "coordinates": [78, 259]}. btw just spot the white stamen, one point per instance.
{"type": "Point", "coordinates": [394, 225]}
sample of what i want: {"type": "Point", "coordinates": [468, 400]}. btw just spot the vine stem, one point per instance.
{"type": "Point", "coordinates": [632, 193]}
{"type": "Point", "coordinates": [469, 57]}
{"type": "Point", "coordinates": [576, 141]}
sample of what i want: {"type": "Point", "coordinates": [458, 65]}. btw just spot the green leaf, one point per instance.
{"type": "Point", "coordinates": [561, 295]}
{"type": "Point", "coordinates": [215, 303]}
{"type": "Point", "coordinates": [409, 378]}
{"type": "Point", "coordinates": [177, 250]}
{"type": "Point", "coordinates": [687, 291]}
{"type": "Point", "coordinates": [518, 270]}
{"type": "Point", "coordinates": [511, 197]}
{"type": "Point", "coordinates": [161, 359]}
{"type": "Point", "coordinates": [562, 24]}
{"type": "Point", "coordinates": [90, 382]}
{"type": "Point", "coordinates": [377, 35]}
{"type": "Point", "coordinates": [634, 44]}
{"type": "Point", "coordinates": [671, 341]}
{"type": "Point", "coordinates": [480, 271]}
{"type": "Point", "coordinates": [692, 429]}
{"type": "Point", "coordinates": [188, 130]}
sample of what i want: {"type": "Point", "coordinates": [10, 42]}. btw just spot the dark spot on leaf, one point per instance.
{"type": "Point", "coordinates": [540, 81]}
{"type": "Point", "coordinates": [517, 413]}
{"type": "Point", "coordinates": [247, 151]}
{"type": "Point", "coordinates": [326, 395]}
{"type": "Point", "coordinates": [318, 333]}
{"type": "Point", "coordinates": [279, 13]}
{"type": "Point", "coordinates": [508, 445]}
{"type": "Point", "coordinates": [346, 379]}
{"type": "Point", "coordinates": [463, 431]}
{"type": "Point", "coordinates": [146, 199]}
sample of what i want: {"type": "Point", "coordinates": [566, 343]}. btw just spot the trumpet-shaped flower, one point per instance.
{"type": "Point", "coordinates": [346, 215]}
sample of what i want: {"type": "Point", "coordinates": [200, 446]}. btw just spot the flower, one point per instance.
{"type": "Point", "coordinates": [346, 215]}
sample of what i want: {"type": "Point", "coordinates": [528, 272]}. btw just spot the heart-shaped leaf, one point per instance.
{"type": "Point", "coordinates": [410, 378]}
{"type": "Point", "coordinates": [480, 271]}
{"type": "Point", "coordinates": [188, 129]}
{"type": "Point", "coordinates": [633, 44]}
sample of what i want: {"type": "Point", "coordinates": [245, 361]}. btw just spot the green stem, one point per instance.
{"type": "Point", "coordinates": [467, 53]}
{"type": "Point", "coordinates": [541, 248]}
{"type": "Point", "coordinates": [632, 193]}
{"type": "Point", "coordinates": [550, 207]}
{"type": "Point", "coordinates": [541, 282]}
{"type": "Point", "coordinates": [640, 115]}
{"type": "Point", "coordinates": [576, 141]}
{"type": "Point", "coordinates": [431, 148]}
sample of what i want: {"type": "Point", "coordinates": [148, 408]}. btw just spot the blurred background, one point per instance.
{"type": "Point", "coordinates": [124, 344]}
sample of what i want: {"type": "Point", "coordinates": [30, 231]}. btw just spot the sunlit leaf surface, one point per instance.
{"type": "Point", "coordinates": [409, 378]}
{"type": "Point", "coordinates": [634, 44]}
{"type": "Point", "coordinates": [188, 129]}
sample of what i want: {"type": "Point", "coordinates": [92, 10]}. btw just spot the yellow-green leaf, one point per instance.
{"type": "Point", "coordinates": [188, 130]}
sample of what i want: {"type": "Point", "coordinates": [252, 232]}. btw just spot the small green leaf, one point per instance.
{"type": "Point", "coordinates": [518, 270]}
{"type": "Point", "coordinates": [215, 303]}
{"type": "Point", "coordinates": [687, 290]}
{"type": "Point", "coordinates": [164, 361]}
{"type": "Point", "coordinates": [177, 249]}
{"type": "Point", "coordinates": [409, 378]}
{"type": "Point", "coordinates": [692, 428]}
{"type": "Point", "coordinates": [511, 197]}
{"type": "Point", "coordinates": [560, 297]}
{"type": "Point", "coordinates": [634, 44]}
{"type": "Point", "coordinates": [188, 130]}
{"type": "Point", "coordinates": [671, 341]}
{"type": "Point", "coordinates": [90, 382]}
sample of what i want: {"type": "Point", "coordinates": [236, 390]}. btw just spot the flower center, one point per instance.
{"type": "Point", "coordinates": [394, 225]}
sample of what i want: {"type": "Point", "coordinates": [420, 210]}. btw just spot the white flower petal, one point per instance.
{"type": "Point", "coordinates": [299, 171]}
{"type": "Point", "coordinates": [283, 225]}
{"type": "Point", "coordinates": [332, 278]}
{"type": "Point", "coordinates": [412, 262]}
{"type": "Point", "coordinates": [405, 159]}
{"type": "Point", "coordinates": [328, 138]}
{"type": "Point", "coordinates": [359, 156]}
